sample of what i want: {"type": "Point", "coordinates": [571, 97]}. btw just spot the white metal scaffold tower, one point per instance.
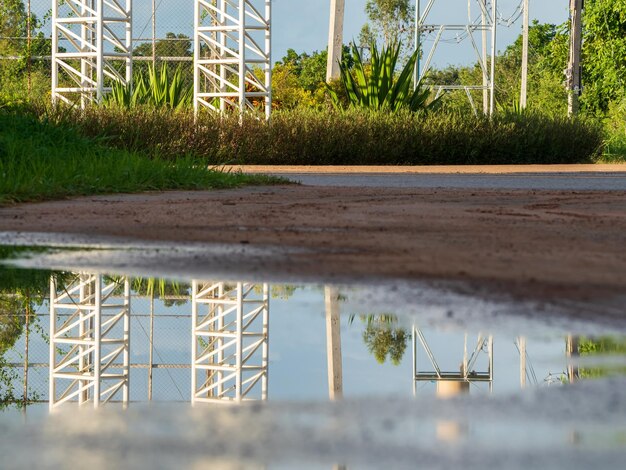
{"type": "Point", "coordinates": [230, 332]}
{"type": "Point", "coordinates": [232, 56]}
{"type": "Point", "coordinates": [486, 24]}
{"type": "Point", "coordinates": [89, 331]}
{"type": "Point", "coordinates": [91, 48]}
{"type": "Point", "coordinates": [461, 378]}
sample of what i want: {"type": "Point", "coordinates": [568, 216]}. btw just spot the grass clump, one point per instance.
{"type": "Point", "coordinates": [42, 160]}
{"type": "Point", "coordinates": [349, 137]}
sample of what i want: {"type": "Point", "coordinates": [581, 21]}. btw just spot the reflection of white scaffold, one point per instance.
{"type": "Point", "coordinates": [89, 331]}
{"type": "Point", "coordinates": [453, 382]}
{"type": "Point", "coordinates": [230, 332]}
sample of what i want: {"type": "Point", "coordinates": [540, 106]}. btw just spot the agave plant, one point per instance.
{"type": "Point", "coordinates": [161, 89]}
{"type": "Point", "coordinates": [377, 86]}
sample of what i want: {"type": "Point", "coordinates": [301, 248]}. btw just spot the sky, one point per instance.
{"type": "Point", "coordinates": [302, 25]}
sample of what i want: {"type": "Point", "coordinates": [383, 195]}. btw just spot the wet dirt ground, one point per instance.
{"type": "Point", "coordinates": [567, 244]}
{"type": "Point", "coordinates": [562, 245]}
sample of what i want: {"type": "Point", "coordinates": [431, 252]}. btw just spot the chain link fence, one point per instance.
{"type": "Point", "coordinates": [160, 352]}
{"type": "Point", "coordinates": [162, 32]}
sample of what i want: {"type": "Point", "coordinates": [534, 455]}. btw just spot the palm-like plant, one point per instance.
{"type": "Point", "coordinates": [377, 86]}
{"type": "Point", "coordinates": [161, 89]}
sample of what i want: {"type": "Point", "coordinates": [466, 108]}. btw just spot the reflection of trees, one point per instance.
{"type": "Point", "coordinates": [12, 322]}
{"type": "Point", "coordinates": [601, 345]}
{"type": "Point", "coordinates": [166, 290]}
{"type": "Point", "coordinates": [19, 291]}
{"type": "Point", "coordinates": [384, 338]}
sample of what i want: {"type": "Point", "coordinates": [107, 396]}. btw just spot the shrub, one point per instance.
{"type": "Point", "coordinates": [350, 137]}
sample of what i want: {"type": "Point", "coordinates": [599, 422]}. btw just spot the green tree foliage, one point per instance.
{"type": "Point", "coordinates": [161, 288]}
{"type": "Point", "coordinates": [383, 338]}
{"type": "Point", "coordinates": [14, 48]}
{"type": "Point", "coordinates": [602, 346]}
{"type": "Point", "coordinates": [389, 20]}
{"type": "Point", "coordinates": [12, 26]}
{"type": "Point", "coordinates": [299, 80]}
{"type": "Point", "coordinates": [548, 52]}
{"type": "Point", "coordinates": [604, 54]}
{"type": "Point", "coordinates": [173, 45]}
{"type": "Point", "coordinates": [603, 64]}
{"type": "Point", "coordinates": [19, 291]}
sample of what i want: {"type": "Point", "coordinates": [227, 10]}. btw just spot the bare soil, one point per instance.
{"type": "Point", "coordinates": [544, 243]}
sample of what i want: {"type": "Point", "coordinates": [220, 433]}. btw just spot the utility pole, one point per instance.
{"type": "Point", "coordinates": [29, 50]}
{"type": "Point", "coordinates": [335, 39]}
{"type": "Point", "coordinates": [418, 44]}
{"type": "Point", "coordinates": [153, 34]}
{"type": "Point", "coordinates": [333, 343]}
{"type": "Point", "coordinates": [573, 68]}
{"type": "Point", "coordinates": [524, 87]}
{"type": "Point", "coordinates": [483, 15]}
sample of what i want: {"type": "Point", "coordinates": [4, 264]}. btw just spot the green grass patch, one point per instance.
{"type": "Point", "coordinates": [42, 159]}
{"type": "Point", "coordinates": [351, 137]}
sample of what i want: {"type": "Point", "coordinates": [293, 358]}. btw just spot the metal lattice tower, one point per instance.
{"type": "Point", "coordinates": [89, 331]}
{"type": "Point", "coordinates": [230, 332]}
{"type": "Point", "coordinates": [465, 375]}
{"type": "Point", "coordinates": [485, 25]}
{"type": "Point", "coordinates": [91, 48]}
{"type": "Point", "coordinates": [232, 56]}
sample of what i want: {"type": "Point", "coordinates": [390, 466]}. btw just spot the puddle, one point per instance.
{"type": "Point", "coordinates": [318, 375]}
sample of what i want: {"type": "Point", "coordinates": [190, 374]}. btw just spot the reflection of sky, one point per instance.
{"type": "Point", "coordinates": [298, 362]}
{"type": "Point", "coordinates": [303, 24]}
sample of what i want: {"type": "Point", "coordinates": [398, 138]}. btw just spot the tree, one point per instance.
{"type": "Point", "coordinates": [383, 339]}
{"type": "Point", "coordinates": [12, 25]}
{"type": "Point", "coordinates": [300, 79]}
{"type": "Point", "coordinates": [173, 45]}
{"type": "Point", "coordinates": [389, 20]}
{"type": "Point", "coordinates": [604, 54]}
{"type": "Point", "coordinates": [13, 43]}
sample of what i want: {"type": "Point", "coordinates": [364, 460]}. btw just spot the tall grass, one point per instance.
{"type": "Point", "coordinates": [41, 160]}
{"type": "Point", "coordinates": [351, 137]}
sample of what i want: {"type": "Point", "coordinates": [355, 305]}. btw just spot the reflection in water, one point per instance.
{"type": "Point", "coordinates": [333, 343]}
{"type": "Point", "coordinates": [383, 338]}
{"type": "Point", "coordinates": [92, 358]}
{"type": "Point", "coordinates": [451, 383]}
{"type": "Point", "coordinates": [230, 324]}
{"type": "Point", "coordinates": [450, 431]}
{"type": "Point", "coordinates": [89, 335]}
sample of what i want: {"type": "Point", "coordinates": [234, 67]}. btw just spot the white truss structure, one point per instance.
{"type": "Point", "coordinates": [466, 372]}
{"type": "Point", "coordinates": [232, 56]}
{"type": "Point", "coordinates": [89, 331]}
{"type": "Point", "coordinates": [469, 30]}
{"type": "Point", "coordinates": [91, 48]}
{"type": "Point", "coordinates": [230, 332]}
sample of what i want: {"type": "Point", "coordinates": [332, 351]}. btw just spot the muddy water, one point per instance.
{"type": "Point", "coordinates": [317, 375]}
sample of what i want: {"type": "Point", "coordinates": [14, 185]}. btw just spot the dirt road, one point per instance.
{"type": "Point", "coordinates": [541, 243]}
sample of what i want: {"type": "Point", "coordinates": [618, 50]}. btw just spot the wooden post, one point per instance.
{"type": "Point", "coordinates": [333, 343]}
{"type": "Point", "coordinates": [335, 39]}
{"type": "Point", "coordinates": [524, 86]}
{"type": "Point", "coordinates": [573, 69]}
